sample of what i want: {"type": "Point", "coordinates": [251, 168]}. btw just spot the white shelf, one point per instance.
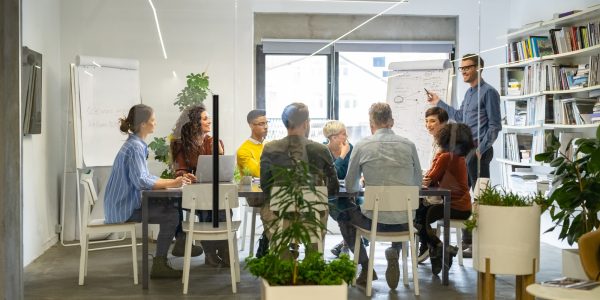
{"type": "Point", "coordinates": [586, 14]}
{"type": "Point", "coordinates": [514, 163]}
{"type": "Point", "coordinates": [572, 91]}
{"type": "Point", "coordinates": [521, 128]}
{"type": "Point", "coordinates": [523, 63]}
{"type": "Point", "coordinates": [565, 126]}
{"type": "Point", "coordinates": [577, 53]}
{"type": "Point", "coordinates": [519, 97]}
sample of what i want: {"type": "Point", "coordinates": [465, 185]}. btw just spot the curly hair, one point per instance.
{"type": "Point", "coordinates": [456, 138]}
{"type": "Point", "coordinates": [190, 133]}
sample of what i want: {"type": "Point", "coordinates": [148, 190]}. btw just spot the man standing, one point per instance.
{"type": "Point", "coordinates": [295, 147]}
{"type": "Point", "coordinates": [248, 155]}
{"type": "Point", "coordinates": [480, 110]}
{"type": "Point", "coordinates": [383, 159]}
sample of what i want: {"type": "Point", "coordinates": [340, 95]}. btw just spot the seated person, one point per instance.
{"type": "Point", "coordinates": [435, 118]}
{"type": "Point", "coordinates": [384, 159]}
{"type": "Point", "coordinates": [248, 154]}
{"type": "Point", "coordinates": [449, 171]}
{"type": "Point", "coordinates": [129, 176]}
{"type": "Point", "coordinates": [295, 147]}
{"type": "Point", "coordinates": [248, 158]}
{"type": "Point", "coordinates": [340, 149]}
{"type": "Point", "coordinates": [191, 139]}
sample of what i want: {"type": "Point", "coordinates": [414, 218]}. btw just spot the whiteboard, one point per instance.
{"type": "Point", "coordinates": [105, 90]}
{"type": "Point", "coordinates": [407, 98]}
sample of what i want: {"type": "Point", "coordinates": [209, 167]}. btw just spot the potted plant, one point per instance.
{"type": "Point", "coordinates": [193, 93]}
{"type": "Point", "coordinates": [283, 274]}
{"type": "Point", "coordinates": [245, 176]}
{"type": "Point", "coordinates": [574, 201]}
{"type": "Point", "coordinates": [506, 230]}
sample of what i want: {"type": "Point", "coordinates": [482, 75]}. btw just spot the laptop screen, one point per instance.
{"type": "Point", "coordinates": [204, 168]}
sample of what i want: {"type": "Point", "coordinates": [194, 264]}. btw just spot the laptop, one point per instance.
{"type": "Point", "coordinates": [204, 168]}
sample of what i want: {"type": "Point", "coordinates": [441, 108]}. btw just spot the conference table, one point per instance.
{"type": "Point", "coordinates": [560, 293]}
{"type": "Point", "coordinates": [254, 190]}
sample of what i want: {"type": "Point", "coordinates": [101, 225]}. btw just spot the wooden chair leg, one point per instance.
{"type": "Point", "coordinates": [134, 256]}
{"type": "Point", "coordinates": [232, 262]}
{"type": "Point", "coordinates": [83, 258]}
{"type": "Point", "coordinates": [370, 269]}
{"type": "Point", "coordinates": [356, 252]}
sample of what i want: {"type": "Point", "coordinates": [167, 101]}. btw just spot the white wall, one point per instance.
{"type": "Point", "coordinates": [42, 159]}
{"type": "Point", "coordinates": [209, 35]}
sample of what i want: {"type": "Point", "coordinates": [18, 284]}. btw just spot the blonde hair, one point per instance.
{"type": "Point", "coordinates": [333, 127]}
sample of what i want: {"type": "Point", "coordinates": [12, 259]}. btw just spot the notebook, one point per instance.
{"type": "Point", "coordinates": [204, 168]}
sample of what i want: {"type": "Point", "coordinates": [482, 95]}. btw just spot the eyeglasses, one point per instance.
{"type": "Point", "coordinates": [465, 68]}
{"type": "Point", "coordinates": [261, 124]}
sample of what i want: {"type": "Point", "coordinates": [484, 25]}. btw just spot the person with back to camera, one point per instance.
{"type": "Point", "coordinates": [285, 152]}
{"type": "Point", "coordinates": [448, 171]}
{"type": "Point", "coordinates": [480, 110]}
{"type": "Point", "coordinates": [190, 139]}
{"type": "Point", "coordinates": [384, 159]}
{"type": "Point", "coordinates": [130, 175]}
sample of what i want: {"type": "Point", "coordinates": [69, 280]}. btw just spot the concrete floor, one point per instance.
{"type": "Point", "coordinates": [54, 275]}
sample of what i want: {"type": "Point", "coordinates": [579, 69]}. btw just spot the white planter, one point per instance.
{"type": "Point", "coordinates": [303, 292]}
{"type": "Point", "coordinates": [571, 264]}
{"type": "Point", "coordinates": [509, 237]}
{"type": "Point", "coordinates": [246, 180]}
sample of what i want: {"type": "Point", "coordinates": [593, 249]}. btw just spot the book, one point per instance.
{"type": "Point", "coordinates": [572, 283]}
{"type": "Point", "coordinates": [566, 13]}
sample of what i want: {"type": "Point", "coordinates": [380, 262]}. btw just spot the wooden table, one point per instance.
{"type": "Point", "coordinates": [255, 191]}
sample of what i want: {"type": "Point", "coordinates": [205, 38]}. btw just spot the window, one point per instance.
{"type": "Point", "coordinates": [286, 73]}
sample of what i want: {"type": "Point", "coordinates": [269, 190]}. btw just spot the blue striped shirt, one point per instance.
{"type": "Point", "coordinates": [128, 177]}
{"type": "Point", "coordinates": [486, 109]}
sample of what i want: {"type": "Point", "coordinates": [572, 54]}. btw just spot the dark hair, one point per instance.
{"type": "Point", "coordinates": [456, 138]}
{"type": "Point", "coordinates": [380, 113]}
{"type": "Point", "coordinates": [441, 114]}
{"type": "Point", "coordinates": [255, 113]}
{"type": "Point", "coordinates": [475, 59]}
{"type": "Point", "coordinates": [294, 114]}
{"type": "Point", "coordinates": [190, 132]}
{"type": "Point", "coordinates": [137, 115]}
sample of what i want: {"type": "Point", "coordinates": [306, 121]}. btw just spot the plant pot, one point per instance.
{"type": "Point", "coordinates": [246, 180]}
{"type": "Point", "coordinates": [509, 237]}
{"type": "Point", "coordinates": [303, 292]}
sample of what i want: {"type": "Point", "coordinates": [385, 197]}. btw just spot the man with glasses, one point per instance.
{"type": "Point", "coordinates": [480, 110]}
{"type": "Point", "coordinates": [248, 159]}
{"type": "Point", "coordinates": [248, 155]}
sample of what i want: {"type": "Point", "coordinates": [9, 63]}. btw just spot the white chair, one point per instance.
{"type": "Point", "coordinates": [458, 224]}
{"type": "Point", "coordinates": [91, 227]}
{"type": "Point", "coordinates": [390, 199]}
{"type": "Point", "coordinates": [320, 202]}
{"type": "Point", "coordinates": [199, 197]}
{"type": "Point", "coordinates": [253, 211]}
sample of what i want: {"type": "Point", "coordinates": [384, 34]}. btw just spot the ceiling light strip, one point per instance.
{"type": "Point", "coordinates": [162, 44]}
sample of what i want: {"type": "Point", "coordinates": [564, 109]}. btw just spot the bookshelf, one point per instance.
{"type": "Point", "coordinates": [549, 86]}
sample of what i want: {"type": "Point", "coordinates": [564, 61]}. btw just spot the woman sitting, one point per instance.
{"type": "Point", "coordinates": [448, 171]}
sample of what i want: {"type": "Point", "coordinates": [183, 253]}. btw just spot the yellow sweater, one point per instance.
{"type": "Point", "coordinates": [248, 156]}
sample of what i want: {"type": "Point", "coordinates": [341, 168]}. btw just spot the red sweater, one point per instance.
{"type": "Point", "coordinates": [449, 171]}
